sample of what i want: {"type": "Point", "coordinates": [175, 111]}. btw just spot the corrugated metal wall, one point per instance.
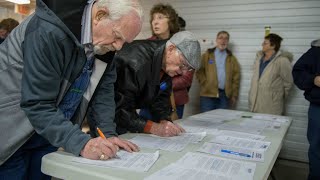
{"type": "Point", "coordinates": [297, 21]}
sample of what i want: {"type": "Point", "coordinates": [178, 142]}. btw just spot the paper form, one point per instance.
{"type": "Point", "coordinates": [241, 128]}
{"type": "Point", "coordinates": [208, 164]}
{"type": "Point", "coordinates": [189, 137]}
{"type": "Point", "coordinates": [140, 162]}
{"type": "Point", "coordinates": [159, 143]}
{"type": "Point", "coordinates": [202, 123]}
{"type": "Point", "coordinates": [191, 128]}
{"type": "Point", "coordinates": [240, 135]}
{"type": "Point", "coordinates": [270, 117]}
{"type": "Point", "coordinates": [241, 143]}
{"type": "Point", "coordinates": [177, 172]}
{"type": "Point", "coordinates": [260, 124]}
{"type": "Point", "coordinates": [233, 152]}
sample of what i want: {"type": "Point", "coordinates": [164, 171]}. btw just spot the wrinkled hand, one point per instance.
{"type": "Point", "coordinates": [124, 144]}
{"type": "Point", "coordinates": [166, 128]}
{"type": "Point", "coordinates": [96, 147]}
{"type": "Point", "coordinates": [317, 81]}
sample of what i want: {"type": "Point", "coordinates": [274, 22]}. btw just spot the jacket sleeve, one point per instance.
{"type": "Point", "coordinates": [285, 74]}
{"type": "Point", "coordinates": [160, 107]}
{"type": "Point", "coordinates": [182, 81]}
{"type": "Point", "coordinates": [101, 112]}
{"type": "Point", "coordinates": [44, 62]}
{"type": "Point", "coordinates": [201, 73]}
{"type": "Point", "coordinates": [301, 72]}
{"type": "Point", "coordinates": [127, 93]}
{"type": "Point", "coordinates": [235, 78]}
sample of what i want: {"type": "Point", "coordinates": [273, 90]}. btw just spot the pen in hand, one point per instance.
{"type": "Point", "coordinates": [104, 137]}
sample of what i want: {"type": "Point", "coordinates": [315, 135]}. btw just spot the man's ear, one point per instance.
{"type": "Point", "coordinates": [101, 14]}
{"type": "Point", "coordinates": [171, 48]}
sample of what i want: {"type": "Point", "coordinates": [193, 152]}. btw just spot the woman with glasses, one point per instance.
{"type": "Point", "coordinates": [164, 23]}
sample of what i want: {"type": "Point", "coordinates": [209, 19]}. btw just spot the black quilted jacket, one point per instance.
{"type": "Point", "coordinates": [138, 81]}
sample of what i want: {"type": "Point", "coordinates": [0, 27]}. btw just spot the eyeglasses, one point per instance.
{"type": "Point", "coordinates": [265, 43]}
{"type": "Point", "coordinates": [159, 17]}
{"type": "Point", "coordinates": [184, 66]}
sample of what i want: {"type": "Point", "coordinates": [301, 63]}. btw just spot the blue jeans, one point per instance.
{"type": "Point", "coordinates": [180, 109]}
{"type": "Point", "coordinates": [313, 135]}
{"type": "Point", "coordinates": [209, 103]}
{"type": "Point", "coordinates": [25, 163]}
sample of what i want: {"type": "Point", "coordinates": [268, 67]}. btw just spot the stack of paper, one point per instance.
{"type": "Point", "coordinates": [176, 143]}
{"type": "Point", "coordinates": [195, 166]}
{"type": "Point", "coordinates": [136, 161]}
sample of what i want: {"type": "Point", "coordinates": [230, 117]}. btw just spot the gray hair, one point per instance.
{"type": "Point", "coordinates": [119, 8]}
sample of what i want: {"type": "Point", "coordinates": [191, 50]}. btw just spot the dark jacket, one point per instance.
{"type": "Point", "coordinates": [305, 70]}
{"type": "Point", "coordinates": [138, 81]}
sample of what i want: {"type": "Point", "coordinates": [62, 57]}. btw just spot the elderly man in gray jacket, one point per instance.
{"type": "Point", "coordinates": [48, 77]}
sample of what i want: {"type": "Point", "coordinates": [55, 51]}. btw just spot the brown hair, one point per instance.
{"type": "Point", "coordinates": [167, 10]}
{"type": "Point", "coordinates": [275, 40]}
{"type": "Point", "coordinates": [223, 32]}
{"type": "Point", "coordinates": [9, 24]}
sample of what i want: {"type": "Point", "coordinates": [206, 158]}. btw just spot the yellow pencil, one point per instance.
{"type": "Point", "coordinates": [100, 133]}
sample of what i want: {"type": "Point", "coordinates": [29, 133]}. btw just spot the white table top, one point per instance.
{"type": "Point", "coordinates": [58, 164]}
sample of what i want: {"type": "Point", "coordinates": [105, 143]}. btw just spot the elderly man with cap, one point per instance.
{"type": "Point", "coordinates": [144, 71]}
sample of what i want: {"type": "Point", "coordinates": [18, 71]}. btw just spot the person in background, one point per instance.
{"type": "Point", "coordinates": [219, 76]}
{"type": "Point", "coordinates": [164, 23]}
{"type": "Point", "coordinates": [306, 75]}
{"type": "Point", "coordinates": [271, 79]}
{"type": "Point", "coordinates": [47, 79]}
{"type": "Point", "coordinates": [6, 26]}
{"type": "Point", "coordinates": [144, 68]}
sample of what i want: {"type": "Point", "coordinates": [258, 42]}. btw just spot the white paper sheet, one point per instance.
{"type": "Point", "coordinates": [177, 172]}
{"type": "Point", "coordinates": [240, 135]}
{"type": "Point", "coordinates": [233, 152]}
{"type": "Point", "coordinates": [241, 128]}
{"type": "Point", "coordinates": [140, 162]}
{"type": "Point", "coordinates": [189, 137]}
{"type": "Point", "coordinates": [218, 165]}
{"type": "Point", "coordinates": [241, 143]}
{"type": "Point", "coordinates": [159, 143]}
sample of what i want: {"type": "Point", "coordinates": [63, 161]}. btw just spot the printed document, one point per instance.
{"type": "Point", "coordinates": [189, 137]}
{"type": "Point", "coordinates": [241, 143]}
{"type": "Point", "coordinates": [196, 166]}
{"type": "Point", "coordinates": [178, 172]}
{"type": "Point", "coordinates": [140, 162]}
{"type": "Point", "coordinates": [240, 135]}
{"type": "Point", "coordinates": [159, 143]}
{"type": "Point", "coordinates": [233, 152]}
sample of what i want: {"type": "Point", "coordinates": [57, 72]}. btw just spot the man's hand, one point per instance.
{"type": "Point", "coordinates": [99, 148]}
{"type": "Point", "coordinates": [317, 81]}
{"type": "Point", "coordinates": [124, 144]}
{"type": "Point", "coordinates": [166, 128]}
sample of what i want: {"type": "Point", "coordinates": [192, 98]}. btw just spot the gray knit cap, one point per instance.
{"type": "Point", "coordinates": [189, 46]}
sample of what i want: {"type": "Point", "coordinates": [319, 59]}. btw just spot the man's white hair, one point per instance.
{"type": "Point", "coordinates": [119, 8]}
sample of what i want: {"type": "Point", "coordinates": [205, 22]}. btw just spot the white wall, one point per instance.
{"type": "Point", "coordinates": [297, 21]}
{"type": "Point", "coordinates": [9, 13]}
